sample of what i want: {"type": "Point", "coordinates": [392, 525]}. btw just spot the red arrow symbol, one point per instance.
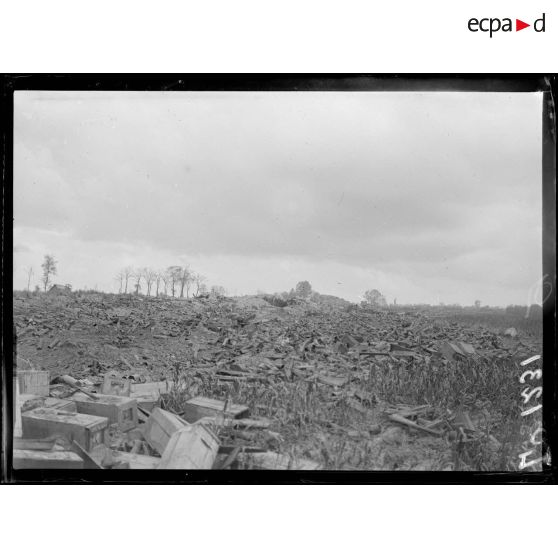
{"type": "Point", "coordinates": [519, 25]}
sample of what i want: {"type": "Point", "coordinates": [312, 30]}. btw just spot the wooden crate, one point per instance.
{"type": "Point", "coordinates": [200, 407]}
{"type": "Point", "coordinates": [34, 381]}
{"type": "Point", "coordinates": [151, 387]}
{"type": "Point", "coordinates": [122, 411]}
{"type": "Point", "coordinates": [159, 428]}
{"type": "Point", "coordinates": [89, 431]}
{"type": "Point", "coordinates": [28, 401]}
{"type": "Point", "coordinates": [191, 447]}
{"type": "Point", "coordinates": [147, 401]}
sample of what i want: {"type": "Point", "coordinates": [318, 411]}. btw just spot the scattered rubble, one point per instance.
{"type": "Point", "coordinates": [133, 382]}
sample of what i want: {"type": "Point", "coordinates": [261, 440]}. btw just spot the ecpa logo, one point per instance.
{"type": "Point", "coordinates": [494, 24]}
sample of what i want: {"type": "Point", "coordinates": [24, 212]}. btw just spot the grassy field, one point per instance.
{"type": "Point", "coordinates": [311, 424]}
{"type": "Point", "coordinates": [525, 320]}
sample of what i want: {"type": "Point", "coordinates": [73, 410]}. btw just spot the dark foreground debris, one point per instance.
{"type": "Point", "coordinates": [129, 382]}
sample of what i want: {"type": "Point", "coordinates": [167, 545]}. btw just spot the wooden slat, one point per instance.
{"type": "Point", "coordinates": [410, 423]}
{"type": "Point", "coordinates": [29, 459]}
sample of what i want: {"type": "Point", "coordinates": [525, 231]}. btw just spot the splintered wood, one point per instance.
{"type": "Point", "coordinates": [276, 382]}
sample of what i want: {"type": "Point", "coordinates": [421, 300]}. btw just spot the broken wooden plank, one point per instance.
{"type": "Point", "coordinates": [36, 445]}
{"type": "Point", "coordinates": [89, 462]}
{"type": "Point", "coordinates": [256, 423]}
{"type": "Point", "coordinates": [430, 423]}
{"type": "Point", "coordinates": [231, 458]}
{"type": "Point", "coordinates": [402, 354]}
{"type": "Point", "coordinates": [32, 459]}
{"type": "Point", "coordinates": [409, 411]}
{"type": "Point", "coordinates": [410, 423]}
{"type": "Point", "coordinates": [143, 415]}
{"type": "Point", "coordinates": [74, 383]}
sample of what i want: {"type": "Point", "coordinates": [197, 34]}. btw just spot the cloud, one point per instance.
{"type": "Point", "coordinates": [438, 187]}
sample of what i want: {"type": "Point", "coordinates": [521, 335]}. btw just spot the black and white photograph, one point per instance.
{"type": "Point", "coordinates": [342, 280]}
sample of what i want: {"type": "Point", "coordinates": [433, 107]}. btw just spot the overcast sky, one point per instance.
{"type": "Point", "coordinates": [428, 197]}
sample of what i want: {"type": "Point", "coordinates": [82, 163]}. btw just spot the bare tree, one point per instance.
{"type": "Point", "coordinates": [185, 281]}
{"type": "Point", "coordinates": [189, 283]}
{"type": "Point", "coordinates": [30, 274]}
{"type": "Point", "coordinates": [158, 279]}
{"type": "Point", "coordinates": [119, 277]}
{"type": "Point", "coordinates": [128, 272]}
{"type": "Point", "coordinates": [137, 275]}
{"type": "Point", "coordinates": [199, 283]}
{"type": "Point", "coordinates": [175, 273]}
{"type": "Point", "coordinates": [150, 276]}
{"type": "Point", "coordinates": [166, 279]}
{"type": "Point", "coordinates": [49, 270]}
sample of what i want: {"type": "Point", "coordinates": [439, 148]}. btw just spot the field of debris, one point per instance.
{"type": "Point", "coordinates": [318, 385]}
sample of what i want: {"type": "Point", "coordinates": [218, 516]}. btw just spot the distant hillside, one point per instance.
{"type": "Point", "coordinates": [330, 301]}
